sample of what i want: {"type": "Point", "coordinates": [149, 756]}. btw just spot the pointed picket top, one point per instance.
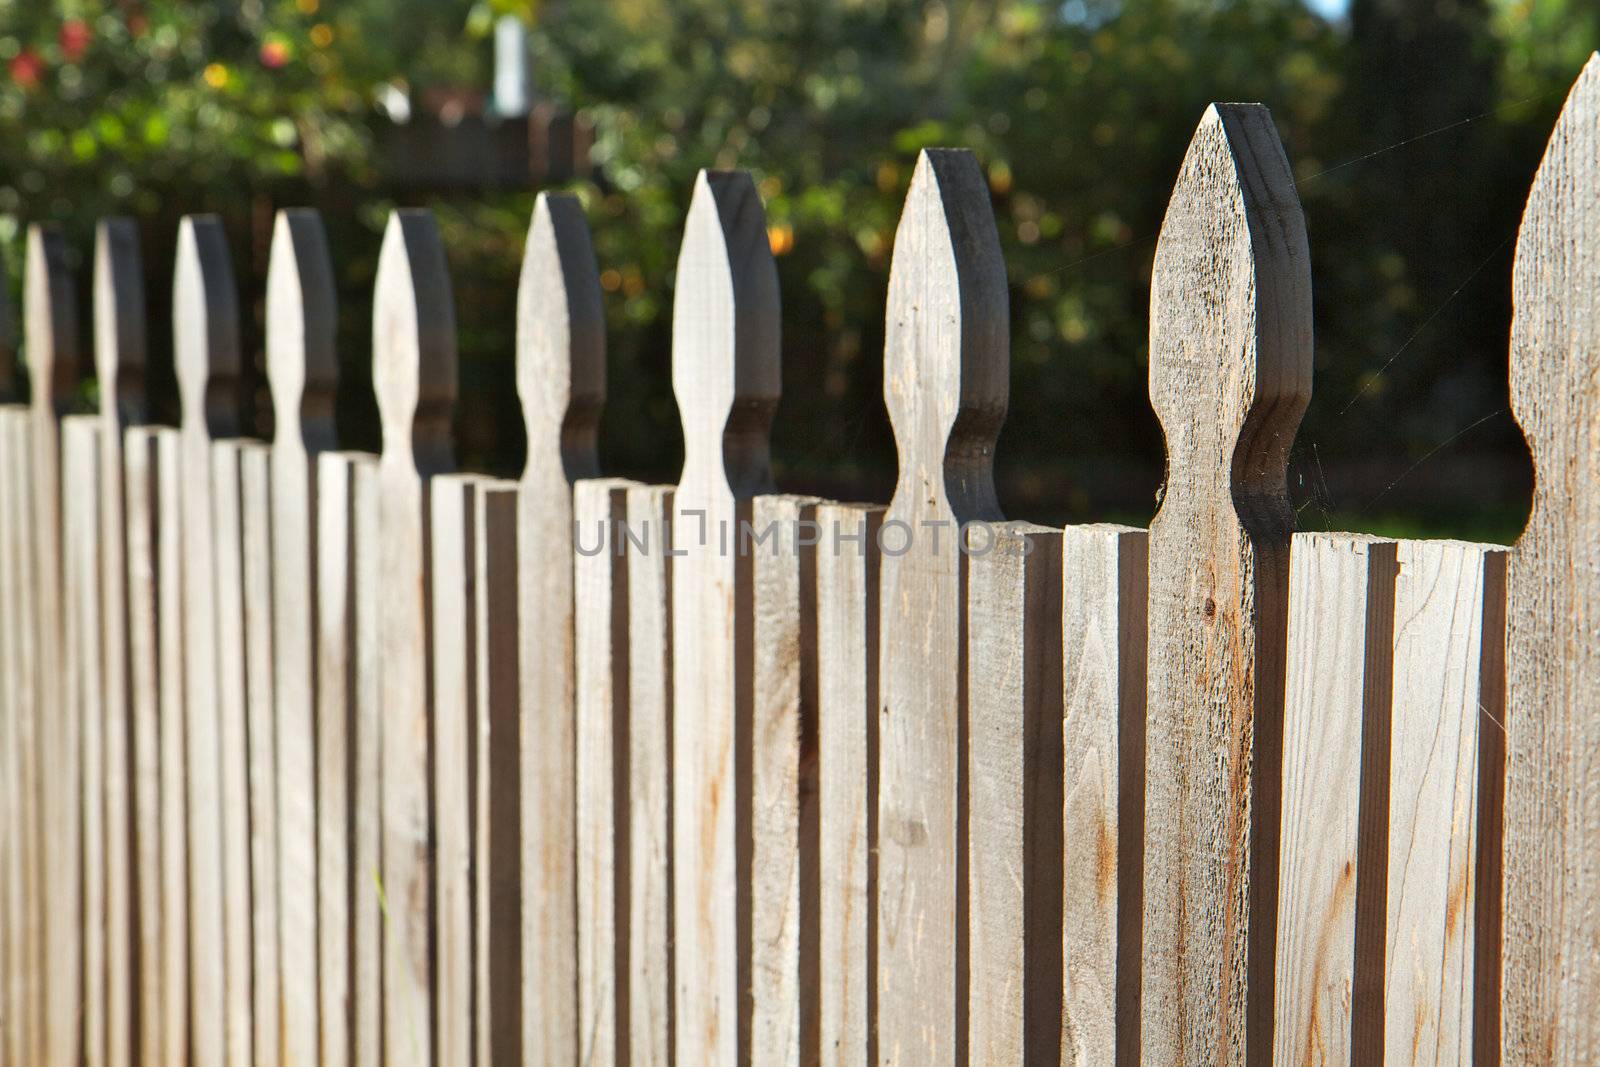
{"type": "Point", "coordinates": [302, 317]}
{"type": "Point", "coordinates": [414, 342]}
{"type": "Point", "coordinates": [205, 328]}
{"type": "Point", "coordinates": [561, 340]}
{"type": "Point", "coordinates": [1551, 982]}
{"type": "Point", "coordinates": [119, 320]}
{"type": "Point", "coordinates": [1230, 321]}
{"type": "Point", "coordinates": [1230, 376]}
{"type": "Point", "coordinates": [50, 320]}
{"type": "Point", "coordinates": [947, 360]}
{"type": "Point", "coordinates": [726, 370]}
{"type": "Point", "coordinates": [8, 342]}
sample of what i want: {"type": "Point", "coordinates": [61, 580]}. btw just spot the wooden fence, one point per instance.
{"type": "Point", "coordinates": [309, 756]}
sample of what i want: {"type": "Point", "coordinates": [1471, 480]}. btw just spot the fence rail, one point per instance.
{"type": "Point", "coordinates": [309, 756]}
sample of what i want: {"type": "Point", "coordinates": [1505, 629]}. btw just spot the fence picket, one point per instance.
{"type": "Point", "coordinates": [414, 374]}
{"type": "Point", "coordinates": [649, 760]}
{"type": "Point", "coordinates": [205, 324]}
{"type": "Point", "coordinates": [80, 718]}
{"type": "Point", "coordinates": [561, 384]}
{"type": "Point", "coordinates": [1333, 866]}
{"type": "Point", "coordinates": [600, 622]}
{"type": "Point", "coordinates": [497, 803]}
{"type": "Point", "coordinates": [945, 382]}
{"type": "Point", "coordinates": [1445, 749]}
{"type": "Point", "coordinates": [15, 863]}
{"type": "Point", "coordinates": [781, 737]}
{"type": "Point", "coordinates": [1103, 574]}
{"type": "Point", "coordinates": [119, 325]}
{"type": "Point", "coordinates": [302, 365]}
{"type": "Point", "coordinates": [142, 496]}
{"type": "Point", "coordinates": [1552, 815]}
{"type": "Point", "coordinates": [453, 540]}
{"type": "Point", "coordinates": [725, 376]}
{"type": "Point", "coordinates": [1013, 797]}
{"type": "Point", "coordinates": [348, 755]}
{"type": "Point", "coordinates": [1230, 375]}
{"type": "Point", "coordinates": [847, 757]}
{"type": "Point", "coordinates": [50, 337]}
{"type": "Point", "coordinates": [237, 751]}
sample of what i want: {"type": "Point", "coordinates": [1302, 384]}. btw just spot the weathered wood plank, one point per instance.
{"type": "Point", "coordinates": [945, 382]}
{"type": "Point", "coordinates": [781, 736]}
{"type": "Point", "coordinates": [268, 983]}
{"type": "Point", "coordinates": [1103, 574]}
{"type": "Point", "coordinates": [561, 383]}
{"type": "Point", "coordinates": [237, 819]}
{"type": "Point", "coordinates": [1447, 596]}
{"type": "Point", "coordinates": [302, 366]}
{"type": "Point", "coordinates": [497, 805]}
{"type": "Point", "coordinates": [847, 755]}
{"type": "Point", "coordinates": [50, 337]}
{"type": "Point", "coordinates": [1333, 864]}
{"type": "Point", "coordinates": [453, 539]}
{"type": "Point", "coordinates": [347, 761]}
{"type": "Point", "coordinates": [81, 719]}
{"type": "Point", "coordinates": [649, 767]}
{"type": "Point", "coordinates": [143, 496]}
{"type": "Point", "coordinates": [119, 332]}
{"type": "Point", "coordinates": [600, 628]}
{"type": "Point", "coordinates": [205, 334]}
{"type": "Point", "coordinates": [1013, 798]}
{"type": "Point", "coordinates": [414, 375]}
{"type": "Point", "coordinates": [1230, 375]}
{"type": "Point", "coordinates": [1552, 814]}
{"type": "Point", "coordinates": [725, 375]}
{"type": "Point", "coordinates": [15, 731]}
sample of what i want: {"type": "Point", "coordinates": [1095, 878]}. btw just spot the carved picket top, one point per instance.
{"type": "Point", "coordinates": [1230, 375]}
{"type": "Point", "coordinates": [1552, 813]}
{"type": "Point", "coordinates": [119, 331]}
{"type": "Point", "coordinates": [561, 383]}
{"type": "Point", "coordinates": [945, 383]}
{"type": "Point", "coordinates": [726, 377]}
{"type": "Point", "coordinates": [414, 374]}
{"type": "Point", "coordinates": [302, 369]}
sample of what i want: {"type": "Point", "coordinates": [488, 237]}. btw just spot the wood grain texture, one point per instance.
{"type": "Point", "coordinates": [302, 367]}
{"type": "Point", "coordinates": [414, 375]}
{"type": "Point", "coordinates": [237, 819]}
{"type": "Point", "coordinates": [945, 383]}
{"type": "Point", "coordinates": [785, 976]}
{"type": "Point", "coordinates": [453, 538]}
{"type": "Point", "coordinates": [1014, 779]}
{"type": "Point", "coordinates": [15, 736]}
{"type": "Point", "coordinates": [1445, 595]}
{"type": "Point", "coordinates": [561, 383]}
{"type": "Point", "coordinates": [1333, 864]}
{"type": "Point", "coordinates": [726, 378]}
{"type": "Point", "coordinates": [1103, 573]}
{"type": "Point", "coordinates": [847, 772]}
{"type": "Point", "coordinates": [142, 496]}
{"type": "Point", "coordinates": [1552, 815]}
{"type": "Point", "coordinates": [1230, 375]}
{"type": "Point", "coordinates": [347, 761]}
{"type": "Point", "coordinates": [51, 338]}
{"type": "Point", "coordinates": [269, 986]}
{"type": "Point", "coordinates": [205, 331]}
{"type": "Point", "coordinates": [81, 721]}
{"type": "Point", "coordinates": [649, 762]}
{"type": "Point", "coordinates": [119, 342]}
{"type": "Point", "coordinates": [600, 614]}
{"type": "Point", "coordinates": [497, 805]}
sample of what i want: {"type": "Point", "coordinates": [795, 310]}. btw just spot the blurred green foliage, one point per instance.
{"type": "Point", "coordinates": [1413, 127]}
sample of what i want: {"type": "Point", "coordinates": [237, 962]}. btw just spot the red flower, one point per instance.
{"type": "Point", "coordinates": [274, 54]}
{"type": "Point", "coordinates": [27, 68]}
{"type": "Point", "coordinates": [75, 38]}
